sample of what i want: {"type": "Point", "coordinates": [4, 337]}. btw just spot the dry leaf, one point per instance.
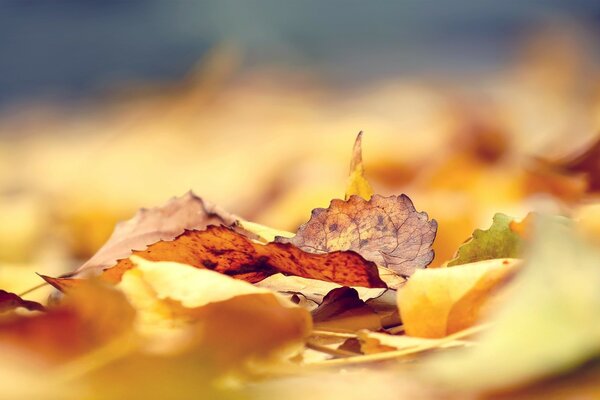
{"type": "Point", "coordinates": [149, 226]}
{"type": "Point", "coordinates": [10, 301]}
{"type": "Point", "coordinates": [231, 320]}
{"type": "Point", "coordinates": [223, 250]}
{"type": "Point", "coordinates": [343, 311]}
{"type": "Point", "coordinates": [385, 230]}
{"type": "Point", "coordinates": [357, 183]}
{"type": "Point", "coordinates": [375, 342]}
{"type": "Point", "coordinates": [549, 325]}
{"type": "Point", "coordinates": [89, 316]}
{"type": "Point", "coordinates": [440, 301]}
{"type": "Point", "coordinates": [498, 241]}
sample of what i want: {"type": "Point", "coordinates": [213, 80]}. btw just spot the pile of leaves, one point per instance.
{"type": "Point", "coordinates": [187, 300]}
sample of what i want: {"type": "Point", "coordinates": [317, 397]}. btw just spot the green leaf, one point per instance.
{"type": "Point", "coordinates": [499, 241]}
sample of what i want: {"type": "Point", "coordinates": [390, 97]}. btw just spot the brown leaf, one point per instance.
{"type": "Point", "coordinates": [149, 226]}
{"type": "Point", "coordinates": [385, 230]}
{"type": "Point", "coordinates": [343, 311]}
{"type": "Point", "coordinates": [223, 250]}
{"type": "Point", "coordinates": [10, 301]}
{"type": "Point", "coordinates": [586, 161]}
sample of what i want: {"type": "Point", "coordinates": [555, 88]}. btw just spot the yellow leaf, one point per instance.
{"type": "Point", "coordinates": [440, 301]}
{"type": "Point", "coordinates": [357, 183]}
{"type": "Point", "coordinates": [180, 306]}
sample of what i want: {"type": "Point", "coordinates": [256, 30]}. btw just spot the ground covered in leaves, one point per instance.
{"type": "Point", "coordinates": [188, 300]}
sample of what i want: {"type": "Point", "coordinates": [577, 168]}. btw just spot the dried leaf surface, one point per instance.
{"type": "Point", "coordinates": [498, 241]}
{"type": "Point", "coordinates": [149, 226]}
{"type": "Point", "coordinates": [10, 301]}
{"type": "Point", "coordinates": [223, 250]}
{"type": "Point", "coordinates": [375, 342]}
{"type": "Point", "coordinates": [436, 302]}
{"type": "Point", "coordinates": [385, 230]}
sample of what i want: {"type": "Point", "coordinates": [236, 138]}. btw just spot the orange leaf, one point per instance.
{"type": "Point", "coordinates": [223, 250]}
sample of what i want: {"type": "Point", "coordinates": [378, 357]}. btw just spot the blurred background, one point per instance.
{"type": "Point", "coordinates": [108, 106]}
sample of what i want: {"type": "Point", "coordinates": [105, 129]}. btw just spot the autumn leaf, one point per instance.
{"type": "Point", "coordinates": [223, 250]}
{"type": "Point", "coordinates": [376, 342]}
{"type": "Point", "coordinates": [385, 230]}
{"type": "Point", "coordinates": [548, 325]}
{"type": "Point", "coordinates": [498, 241]}
{"type": "Point", "coordinates": [10, 301]}
{"type": "Point", "coordinates": [436, 302]}
{"type": "Point", "coordinates": [89, 316]}
{"type": "Point", "coordinates": [182, 306]}
{"type": "Point", "coordinates": [357, 183]}
{"type": "Point", "coordinates": [149, 226]}
{"type": "Point", "coordinates": [343, 311]}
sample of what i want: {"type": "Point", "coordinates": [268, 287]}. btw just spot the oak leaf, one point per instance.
{"type": "Point", "coordinates": [498, 241]}
{"type": "Point", "coordinates": [436, 302]}
{"type": "Point", "coordinates": [385, 230]}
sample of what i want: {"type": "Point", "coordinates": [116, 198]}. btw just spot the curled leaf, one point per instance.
{"type": "Point", "coordinates": [225, 251]}
{"type": "Point", "coordinates": [343, 311]}
{"type": "Point", "coordinates": [437, 302]}
{"type": "Point", "coordinates": [385, 230]}
{"type": "Point", "coordinates": [89, 316]}
{"type": "Point", "coordinates": [231, 320]}
{"type": "Point", "coordinates": [498, 241]}
{"type": "Point", "coordinates": [357, 183]}
{"type": "Point", "coordinates": [10, 301]}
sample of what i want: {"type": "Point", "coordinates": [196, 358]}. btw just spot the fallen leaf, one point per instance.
{"type": "Point", "coordinates": [498, 241]}
{"type": "Point", "coordinates": [10, 301]}
{"type": "Point", "coordinates": [231, 320]}
{"type": "Point", "coordinates": [436, 302]}
{"type": "Point", "coordinates": [375, 342]}
{"type": "Point", "coordinates": [585, 162]}
{"type": "Point", "coordinates": [343, 311]}
{"type": "Point", "coordinates": [223, 250]}
{"type": "Point", "coordinates": [264, 233]}
{"type": "Point", "coordinates": [547, 326]}
{"type": "Point", "coordinates": [385, 230]}
{"type": "Point", "coordinates": [89, 316]}
{"type": "Point", "coordinates": [357, 183]}
{"type": "Point", "coordinates": [149, 226]}
{"type": "Point", "coordinates": [313, 290]}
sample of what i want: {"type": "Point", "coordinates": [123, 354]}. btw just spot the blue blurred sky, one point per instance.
{"type": "Point", "coordinates": [79, 47]}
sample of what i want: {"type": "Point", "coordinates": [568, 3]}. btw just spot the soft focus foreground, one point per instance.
{"type": "Point", "coordinates": [352, 304]}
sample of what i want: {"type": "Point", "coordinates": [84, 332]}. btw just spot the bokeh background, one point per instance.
{"type": "Point", "coordinates": [108, 106]}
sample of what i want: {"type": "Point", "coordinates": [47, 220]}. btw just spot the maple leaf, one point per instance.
{"type": "Point", "coordinates": [10, 301]}
{"type": "Point", "coordinates": [223, 250]}
{"type": "Point", "coordinates": [385, 230]}
{"type": "Point", "coordinates": [498, 241]}
{"type": "Point", "coordinates": [436, 302]}
{"type": "Point", "coordinates": [357, 183]}
{"type": "Point", "coordinates": [149, 226]}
